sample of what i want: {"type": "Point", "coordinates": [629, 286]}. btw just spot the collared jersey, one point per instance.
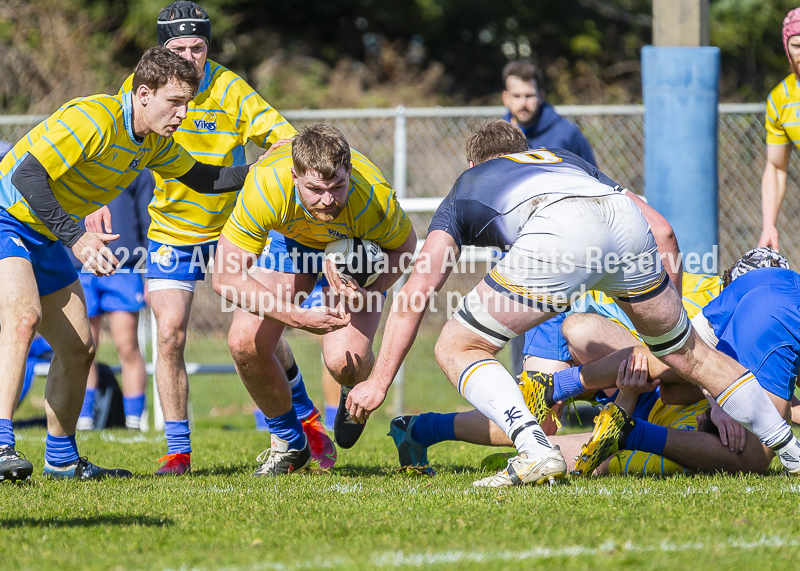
{"type": "Point", "coordinates": [269, 201]}
{"type": "Point", "coordinates": [91, 155]}
{"type": "Point", "coordinates": [225, 114]}
{"type": "Point", "coordinates": [783, 113]}
{"type": "Point", "coordinates": [490, 202]}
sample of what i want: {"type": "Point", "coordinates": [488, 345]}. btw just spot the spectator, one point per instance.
{"type": "Point", "coordinates": [527, 108]}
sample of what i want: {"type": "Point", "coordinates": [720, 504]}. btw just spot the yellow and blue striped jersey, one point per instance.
{"type": "Point", "coordinates": [225, 114]}
{"type": "Point", "coordinates": [783, 113]}
{"type": "Point", "coordinates": [269, 201]}
{"type": "Point", "coordinates": [90, 152]}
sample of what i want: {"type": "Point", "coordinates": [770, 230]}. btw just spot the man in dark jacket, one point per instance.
{"type": "Point", "coordinates": [527, 108]}
{"type": "Point", "coordinates": [543, 127]}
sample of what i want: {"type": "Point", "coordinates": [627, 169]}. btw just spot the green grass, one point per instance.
{"type": "Point", "coordinates": [365, 515]}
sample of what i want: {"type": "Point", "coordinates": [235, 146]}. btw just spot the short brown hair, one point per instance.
{"type": "Point", "coordinates": [320, 148]}
{"type": "Point", "coordinates": [524, 70]}
{"type": "Point", "coordinates": [495, 139]}
{"type": "Point", "coordinates": [160, 65]}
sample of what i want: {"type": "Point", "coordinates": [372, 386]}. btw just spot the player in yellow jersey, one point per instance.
{"type": "Point", "coordinates": [783, 133]}
{"type": "Point", "coordinates": [68, 166]}
{"type": "Point", "coordinates": [296, 201]}
{"type": "Point", "coordinates": [225, 114]}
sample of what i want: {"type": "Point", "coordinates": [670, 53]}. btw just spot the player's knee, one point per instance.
{"type": "Point", "coordinates": [171, 338]}
{"type": "Point", "coordinates": [27, 322]}
{"type": "Point", "coordinates": [575, 328]}
{"type": "Point", "coordinates": [444, 348]}
{"type": "Point", "coordinates": [241, 346]}
{"type": "Point", "coordinates": [349, 367]}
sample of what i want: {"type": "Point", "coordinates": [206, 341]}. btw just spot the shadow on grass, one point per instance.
{"type": "Point", "coordinates": [90, 521]}
{"type": "Point", "coordinates": [225, 470]}
{"type": "Point", "coordinates": [355, 471]}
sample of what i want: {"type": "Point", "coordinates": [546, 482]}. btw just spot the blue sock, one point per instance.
{"type": "Point", "coordinates": [330, 415]}
{"type": "Point", "coordinates": [433, 427]}
{"type": "Point", "coordinates": [647, 437]}
{"type": "Point", "coordinates": [261, 420]}
{"type": "Point", "coordinates": [567, 384]}
{"type": "Point", "coordinates": [134, 406]}
{"type": "Point", "coordinates": [6, 433]}
{"type": "Point", "coordinates": [87, 410]}
{"type": "Point", "coordinates": [287, 427]}
{"type": "Point", "coordinates": [178, 437]}
{"type": "Point", "coordinates": [60, 450]}
{"type": "Point", "coordinates": [302, 404]}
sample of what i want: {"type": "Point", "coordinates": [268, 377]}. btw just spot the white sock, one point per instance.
{"type": "Point", "coordinates": [494, 392]}
{"type": "Point", "coordinates": [748, 404]}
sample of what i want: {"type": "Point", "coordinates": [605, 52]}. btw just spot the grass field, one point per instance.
{"type": "Point", "coordinates": [364, 514]}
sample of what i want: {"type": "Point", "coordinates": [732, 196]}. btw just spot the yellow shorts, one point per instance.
{"type": "Point", "coordinates": [680, 417]}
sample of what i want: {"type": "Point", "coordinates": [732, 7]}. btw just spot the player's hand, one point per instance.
{"type": "Point", "coordinates": [99, 221]}
{"type": "Point", "coordinates": [632, 375]}
{"type": "Point", "coordinates": [350, 291]}
{"type": "Point", "coordinates": [731, 433]}
{"type": "Point", "coordinates": [95, 255]}
{"type": "Point", "coordinates": [272, 148]}
{"type": "Point", "coordinates": [364, 399]}
{"type": "Point", "coordinates": [769, 238]}
{"type": "Point", "coordinates": [323, 319]}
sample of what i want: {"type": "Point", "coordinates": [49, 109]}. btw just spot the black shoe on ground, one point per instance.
{"type": "Point", "coordinates": [83, 470]}
{"type": "Point", "coordinates": [346, 431]}
{"type": "Point", "coordinates": [13, 465]}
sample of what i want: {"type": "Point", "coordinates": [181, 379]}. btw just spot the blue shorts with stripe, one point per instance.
{"type": "Point", "coordinates": [182, 263]}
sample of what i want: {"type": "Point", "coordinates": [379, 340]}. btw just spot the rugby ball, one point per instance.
{"type": "Point", "coordinates": [356, 259]}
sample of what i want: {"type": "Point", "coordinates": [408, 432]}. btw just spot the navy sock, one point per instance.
{"type": "Point", "coordinates": [647, 437]}
{"type": "Point", "coordinates": [330, 415]}
{"type": "Point", "coordinates": [87, 410]}
{"type": "Point", "coordinates": [287, 427]}
{"type": "Point", "coordinates": [60, 450]}
{"type": "Point", "coordinates": [567, 384]}
{"type": "Point", "coordinates": [6, 432]}
{"type": "Point", "coordinates": [300, 399]}
{"type": "Point", "coordinates": [433, 427]}
{"type": "Point", "coordinates": [178, 436]}
{"type": "Point", "coordinates": [134, 406]}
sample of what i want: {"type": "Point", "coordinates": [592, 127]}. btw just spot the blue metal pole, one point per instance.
{"type": "Point", "coordinates": [681, 94]}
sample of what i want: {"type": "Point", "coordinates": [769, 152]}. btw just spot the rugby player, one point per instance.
{"type": "Point", "coordinates": [302, 197]}
{"type": "Point", "coordinates": [225, 114]}
{"type": "Point", "coordinates": [548, 348]}
{"type": "Point", "coordinates": [783, 132]}
{"type": "Point", "coordinates": [554, 213]}
{"type": "Point", "coordinates": [68, 166]}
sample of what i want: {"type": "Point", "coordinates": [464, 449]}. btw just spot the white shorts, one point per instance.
{"type": "Point", "coordinates": [577, 244]}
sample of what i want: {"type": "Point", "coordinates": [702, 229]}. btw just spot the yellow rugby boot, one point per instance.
{"type": "Point", "coordinates": [537, 390]}
{"type": "Point", "coordinates": [610, 427]}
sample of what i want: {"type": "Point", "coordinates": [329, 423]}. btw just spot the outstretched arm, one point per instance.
{"type": "Point", "coordinates": [429, 275]}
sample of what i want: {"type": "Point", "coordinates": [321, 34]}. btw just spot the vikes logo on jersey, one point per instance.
{"type": "Point", "coordinates": [207, 123]}
{"type": "Point", "coordinates": [136, 160]}
{"type": "Point", "coordinates": [162, 256]}
{"type": "Point", "coordinates": [336, 234]}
